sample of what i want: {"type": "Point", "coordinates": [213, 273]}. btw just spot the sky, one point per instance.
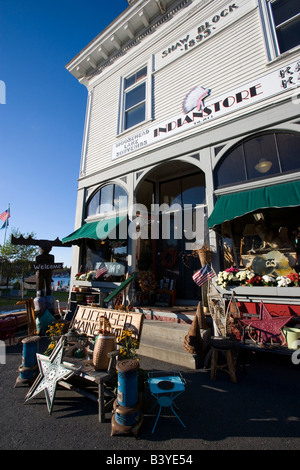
{"type": "Point", "coordinates": [42, 119]}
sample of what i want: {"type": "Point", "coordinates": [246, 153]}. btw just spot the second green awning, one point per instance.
{"type": "Point", "coordinates": [231, 206]}
{"type": "Point", "coordinates": [98, 230]}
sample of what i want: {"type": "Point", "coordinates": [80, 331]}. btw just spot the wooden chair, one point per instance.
{"type": "Point", "coordinates": [86, 321]}
{"type": "Point", "coordinates": [222, 342]}
{"type": "Point", "coordinates": [31, 324]}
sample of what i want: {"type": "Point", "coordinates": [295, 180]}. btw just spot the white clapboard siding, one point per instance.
{"type": "Point", "coordinates": [232, 57]}
{"type": "Point", "coordinates": [240, 58]}
{"type": "Point", "coordinates": [103, 124]}
{"type": "Point", "coordinates": [104, 114]}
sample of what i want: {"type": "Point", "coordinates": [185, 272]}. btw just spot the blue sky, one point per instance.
{"type": "Point", "coordinates": [41, 124]}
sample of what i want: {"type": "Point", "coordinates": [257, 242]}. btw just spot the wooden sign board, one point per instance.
{"type": "Point", "coordinates": [47, 266]}
{"type": "Point", "coordinates": [113, 269]}
{"type": "Point", "coordinates": [86, 320]}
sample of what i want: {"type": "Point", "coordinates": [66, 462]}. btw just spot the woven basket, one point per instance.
{"type": "Point", "coordinates": [204, 256]}
{"type": "Point", "coordinates": [103, 345]}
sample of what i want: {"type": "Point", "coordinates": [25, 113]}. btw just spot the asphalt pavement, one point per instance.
{"type": "Point", "coordinates": [260, 412]}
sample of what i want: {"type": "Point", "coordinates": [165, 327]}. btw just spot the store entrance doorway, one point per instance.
{"type": "Point", "coordinates": [174, 195]}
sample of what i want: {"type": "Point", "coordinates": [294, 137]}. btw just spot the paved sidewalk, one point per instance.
{"type": "Point", "coordinates": [260, 412]}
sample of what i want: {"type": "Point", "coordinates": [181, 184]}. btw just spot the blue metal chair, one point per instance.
{"type": "Point", "coordinates": [165, 387]}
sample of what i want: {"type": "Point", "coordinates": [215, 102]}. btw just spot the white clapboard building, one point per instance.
{"type": "Point", "coordinates": [191, 138]}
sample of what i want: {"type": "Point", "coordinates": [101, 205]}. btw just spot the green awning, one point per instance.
{"type": "Point", "coordinates": [97, 230]}
{"type": "Point", "coordinates": [231, 206]}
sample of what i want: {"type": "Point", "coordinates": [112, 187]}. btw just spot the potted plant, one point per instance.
{"type": "Point", "coordinates": [54, 331]}
{"type": "Point", "coordinates": [128, 345]}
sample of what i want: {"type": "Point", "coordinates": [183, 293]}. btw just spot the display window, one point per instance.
{"type": "Point", "coordinates": [259, 157]}
{"type": "Point", "coordinates": [109, 255]}
{"type": "Point", "coordinates": [259, 228]}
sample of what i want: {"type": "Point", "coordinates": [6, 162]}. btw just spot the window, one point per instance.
{"type": "Point", "coordinates": [111, 197]}
{"type": "Point", "coordinates": [136, 96]}
{"type": "Point", "coordinates": [186, 190]}
{"type": "Point", "coordinates": [286, 17]}
{"type": "Point", "coordinates": [262, 156]}
{"type": "Point", "coordinates": [281, 25]}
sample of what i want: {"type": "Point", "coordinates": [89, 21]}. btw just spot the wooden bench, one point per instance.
{"type": "Point", "coordinates": [86, 321]}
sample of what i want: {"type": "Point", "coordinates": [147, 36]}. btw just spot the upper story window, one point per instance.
{"type": "Point", "coordinates": [281, 24]}
{"type": "Point", "coordinates": [286, 17]}
{"type": "Point", "coordinates": [136, 99]}
{"type": "Point", "coordinates": [109, 198]}
{"type": "Point", "coordinates": [262, 156]}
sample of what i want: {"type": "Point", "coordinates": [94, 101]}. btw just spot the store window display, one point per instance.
{"type": "Point", "coordinates": [263, 239]}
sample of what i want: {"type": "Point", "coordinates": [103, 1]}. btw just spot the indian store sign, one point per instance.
{"type": "Point", "coordinates": [204, 30]}
{"type": "Point", "coordinates": [204, 108]}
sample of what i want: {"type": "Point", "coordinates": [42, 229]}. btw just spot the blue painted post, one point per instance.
{"type": "Point", "coordinates": [127, 382]}
{"type": "Point", "coordinates": [127, 416]}
{"type": "Point", "coordinates": [29, 368]}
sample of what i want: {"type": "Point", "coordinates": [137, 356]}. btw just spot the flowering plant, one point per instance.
{"type": "Point", "coordinates": [255, 281]}
{"type": "Point", "coordinates": [128, 345]}
{"type": "Point", "coordinates": [269, 280]}
{"type": "Point", "coordinates": [283, 281]}
{"type": "Point", "coordinates": [80, 276]}
{"type": "Point", "coordinates": [246, 277]}
{"type": "Point", "coordinates": [233, 277]}
{"type": "Point", "coordinates": [54, 331]}
{"type": "Point", "coordinates": [294, 278]}
{"type": "Point", "coordinates": [90, 275]}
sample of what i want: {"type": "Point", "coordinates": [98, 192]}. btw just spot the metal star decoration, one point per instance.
{"type": "Point", "coordinates": [268, 327]}
{"type": "Point", "coordinates": [51, 371]}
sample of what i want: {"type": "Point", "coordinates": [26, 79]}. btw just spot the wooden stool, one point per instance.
{"type": "Point", "coordinates": [226, 347]}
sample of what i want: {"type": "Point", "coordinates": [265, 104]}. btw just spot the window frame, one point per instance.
{"type": "Point", "coordinates": [270, 29]}
{"type": "Point", "coordinates": [147, 100]}
{"type": "Point", "coordinates": [279, 158]}
{"type": "Point", "coordinates": [98, 192]}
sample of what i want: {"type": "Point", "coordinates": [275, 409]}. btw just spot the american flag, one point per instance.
{"type": "Point", "coordinates": [4, 218]}
{"type": "Point", "coordinates": [101, 271]}
{"type": "Point", "coordinates": [202, 276]}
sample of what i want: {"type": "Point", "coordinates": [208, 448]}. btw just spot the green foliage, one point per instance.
{"type": "Point", "coordinates": [16, 259]}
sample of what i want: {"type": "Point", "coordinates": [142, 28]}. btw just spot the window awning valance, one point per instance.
{"type": "Point", "coordinates": [231, 206]}
{"type": "Point", "coordinates": [96, 230]}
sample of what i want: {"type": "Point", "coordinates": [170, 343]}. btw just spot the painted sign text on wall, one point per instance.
{"type": "Point", "coordinates": [202, 31]}
{"type": "Point", "coordinates": [288, 77]}
{"type": "Point", "coordinates": [211, 110]}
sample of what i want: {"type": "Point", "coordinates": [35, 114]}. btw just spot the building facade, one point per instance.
{"type": "Point", "coordinates": [191, 138]}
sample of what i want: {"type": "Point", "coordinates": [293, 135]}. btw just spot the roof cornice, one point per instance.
{"type": "Point", "coordinates": [140, 19]}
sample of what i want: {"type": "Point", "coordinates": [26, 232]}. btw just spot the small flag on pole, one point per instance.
{"type": "Point", "coordinates": [4, 218]}
{"type": "Point", "coordinates": [203, 275]}
{"type": "Point", "coordinates": [101, 271]}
